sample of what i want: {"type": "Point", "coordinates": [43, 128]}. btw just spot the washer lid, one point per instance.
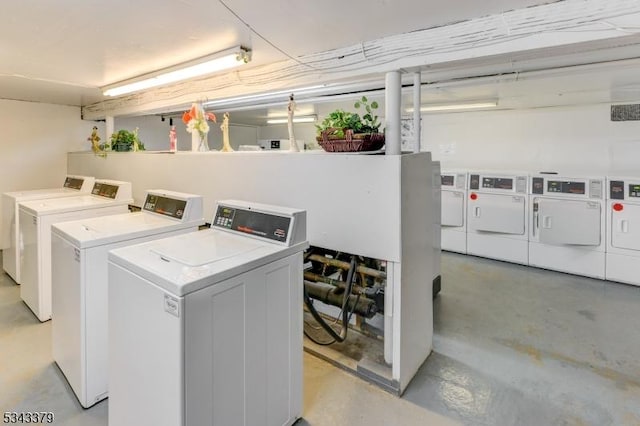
{"type": "Point", "coordinates": [73, 185]}
{"type": "Point", "coordinates": [212, 250]}
{"type": "Point", "coordinates": [38, 194]}
{"type": "Point", "coordinates": [68, 204]}
{"type": "Point", "coordinates": [98, 231]}
{"type": "Point", "coordinates": [189, 262]}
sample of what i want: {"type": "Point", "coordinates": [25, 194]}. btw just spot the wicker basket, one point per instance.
{"type": "Point", "coordinates": [352, 142]}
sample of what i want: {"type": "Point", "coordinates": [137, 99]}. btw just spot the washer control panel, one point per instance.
{"type": "Point", "coordinates": [73, 183]}
{"type": "Point", "coordinates": [620, 189]}
{"type": "Point", "coordinates": [497, 183]}
{"type": "Point", "coordinates": [573, 187]}
{"type": "Point", "coordinates": [450, 180]}
{"type": "Point", "coordinates": [105, 190]}
{"type": "Point", "coordinates": [165, 206]}
{"type": "Point", "coordinates": [252, 222]}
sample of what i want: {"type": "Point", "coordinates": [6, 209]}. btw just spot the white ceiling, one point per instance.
{"type": "Point", "coordinates": [63, 51]}
{"type": "Point", "coordinates": [611, 82]}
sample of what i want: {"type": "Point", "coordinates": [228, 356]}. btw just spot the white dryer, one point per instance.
{"type": "Point", "coordinates": [454, 211]}
{"type": "Point", "coordinates": [206, 327]}
{"type": "Point", "coordinates": [79, 281]}
{"type": "Point", "coordinates": [497, 214]}
{"type": "Point", "coordinates": [9, 235]}
{"type": "Point", "coordinates": [36, 217]}
{"type": "Point", "coordinates": [623, 238]}
{"type": "Point", "coordinates": [568, 224]}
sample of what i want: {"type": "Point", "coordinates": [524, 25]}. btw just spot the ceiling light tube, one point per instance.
{"type": "Point", "coordinates": [202, 66]}
{"type": "Point", "coordinates": [263, 96]}
{"type": "Point", "coordinates": [301, 119]}
{"type": "Point", "coordinates": [455, 107]}
{"type": "Point", "coordinates": [320, 93]}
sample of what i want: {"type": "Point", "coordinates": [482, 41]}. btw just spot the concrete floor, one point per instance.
{"type": "Point", "coordinates": [513, 346]}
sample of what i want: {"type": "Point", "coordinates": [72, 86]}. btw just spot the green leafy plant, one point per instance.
{"type": "Point", "coordinates": [124, 140]}
{"type": "Point", "coordinates": [341, 120]}
{"type": "Point", "coordinates": [370, 122]}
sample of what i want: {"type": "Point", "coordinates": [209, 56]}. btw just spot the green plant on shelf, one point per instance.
{"type": "Point", "coordinates": [340, 120]}
{"type": "Point", "coordinates": [125, 140]}
{"type": "Point", "coordinates": [370, 122]}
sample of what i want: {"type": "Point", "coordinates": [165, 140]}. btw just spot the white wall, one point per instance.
{"type": "Point", "coordinates": [563, 139]}
{"type": "Point", "coordinates": [305, 132]}
{"type": "Point", "coordinates": [154, 133]}
{"type": "Point", "coordinates": [35, 140]}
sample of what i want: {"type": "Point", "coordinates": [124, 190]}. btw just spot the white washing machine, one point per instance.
{"type": "Point", "coordinates": [454, 210]}
{"type": "Point", "coordinates": [623, 238]}
{"type": "Point", "coordinates": [206, 327]}
{"type": "Point", "coordinates": [79, 281]}
{"type": "Point", "coordinates": [497, 225]}
{"type": "Point", "coordinates": [36, 217]}
{"type": "Point", "coordinates": [9, 235]}
{"type": "Point", "coordinates": [568, 224]}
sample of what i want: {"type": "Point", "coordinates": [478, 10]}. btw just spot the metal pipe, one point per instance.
{"type": "Point", "coordinates": [416, 109]}
{"type": "Point", "coordinates": [392, 90]}
{"type": "Point", "coordinates": [325, 293]}
{"type": "Point", "coordinates": [321, 278]}
{"type": "Point", "coordinates": [356, 289]}
{"type": "Point", "coordinates": [388, 313]}
{"type": "Point", "coordinates": [345, 265]}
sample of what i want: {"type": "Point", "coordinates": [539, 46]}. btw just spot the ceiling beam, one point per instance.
{"type": "Point", "coordinates": [508, 40]}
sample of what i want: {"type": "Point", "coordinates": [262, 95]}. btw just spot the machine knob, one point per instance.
{"type": "Point", "coordinates": [618, 207]}
{"type": "Point", "coordinates": [473, 196]}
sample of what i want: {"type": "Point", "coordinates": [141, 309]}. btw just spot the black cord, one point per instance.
{"type": "Point", "coordinates": [320, 321]}
{"type": "Point", "coordinates": [346, 313]}
{"type": "Point", "coordinates": [317, 342]}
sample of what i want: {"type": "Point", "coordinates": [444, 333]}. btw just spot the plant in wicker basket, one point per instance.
{"type": "Point", "coordinates": [343, 131]}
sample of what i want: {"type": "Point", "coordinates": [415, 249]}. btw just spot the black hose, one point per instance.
{"type": "Point", "coordinates": [346, 315]}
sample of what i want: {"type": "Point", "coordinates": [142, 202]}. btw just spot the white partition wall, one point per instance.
{"type": "Point", "coordinates": [371, 205]}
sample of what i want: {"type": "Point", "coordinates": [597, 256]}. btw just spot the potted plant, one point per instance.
{"type": "Point", "coordinates": [124, 140]}
{"type": "Point", "coordinates": [343, 131]}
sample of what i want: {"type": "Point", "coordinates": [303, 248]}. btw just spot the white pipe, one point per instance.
{"type": "Point", "coordinates": [388, 314]}
{"type": "Point", "coordinates": [393, 87]}
{"type": "Point", "coordinates": [109, 127]}
{"type": "Point", "coordinates": [416, 109]}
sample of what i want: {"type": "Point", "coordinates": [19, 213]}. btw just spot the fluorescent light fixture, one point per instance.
{"type": "Point", "coordinates": [455, 107]}
{"type": "Point", "coordinates": [205, 65]}
{"type": "Point", "coordinates": [271, 96]}
{"type": "Point", "coordinates": [301, 119]}
{"type": "Point", "coordinates": [317, 93]}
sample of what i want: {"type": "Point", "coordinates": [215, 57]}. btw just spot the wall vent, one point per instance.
{"type": "Point", "coordinates": [629, 112]}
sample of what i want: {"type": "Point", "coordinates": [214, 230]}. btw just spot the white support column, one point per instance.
{"type": "Point", "coordinates": [393, 87]}
{"type": "Point", "coordinates": [109, 127]}
{"type": "Point", "coordinates": [417, 92]}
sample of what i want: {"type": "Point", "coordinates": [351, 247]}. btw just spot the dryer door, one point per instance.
{"type": "Point", "coordinates": [625, 227]}
{"type": "Point", "coordinates": [504, 214]}
{"type": "Point", "coordinates": [452, 208]}
{"type": "Point", "coordinates": [569, 222]}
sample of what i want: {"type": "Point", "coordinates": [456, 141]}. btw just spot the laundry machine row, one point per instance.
{"type": "Point", "coordinates": [10, 226]}
{"type": "Point", "coordinates": [36, 219]}
{"type": "Point", "coordinates": [580, 225]}
{"type": "Point", "coordinates": [79, 281]}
